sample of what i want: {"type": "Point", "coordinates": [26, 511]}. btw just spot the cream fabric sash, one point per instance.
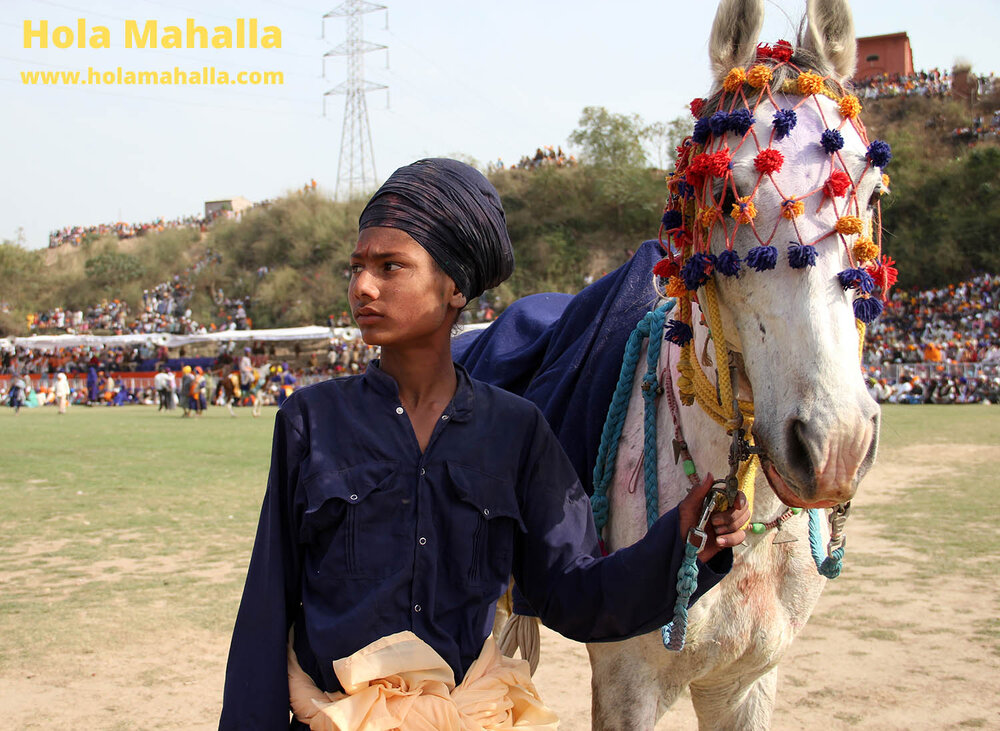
{"type": "Point", "coordinates": [400, 682]}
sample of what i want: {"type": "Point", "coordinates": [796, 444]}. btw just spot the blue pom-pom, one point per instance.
{"type": "Point", "coordinates": [697, 270]}
{"type": "Point", "coordinates": [677, 332]}
{"type": "Point", "coordinates": [867, 309]}
{"type": "Point", "coordinates": [719, 122]}
{"type": "Point", "coordinates": [702, 129]}
{"type": "Point", "coordinates": [879, 153]}
{"type": "Point", "coordinates": [740, 121]}
{"type": "Point", "coordinates": [784, 122]}
{"type": "Point", "coordinates": [728, 263]}
{"type": "Point", "coordinates": [831, 140]}
{"type": "Point", "coordinates": [801, 256]}
{"type": "Point", "coordinates": [762, 258]}
{"type": "Point", "coordinates": [856, 278]}
{"type": "Point", "coordinates": [685, 189]}
{"type": "Point", "coordinates": [672, 219]}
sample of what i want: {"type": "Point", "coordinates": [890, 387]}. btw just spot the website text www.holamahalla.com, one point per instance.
{"type": "Point", "coordinates": [206, 76]}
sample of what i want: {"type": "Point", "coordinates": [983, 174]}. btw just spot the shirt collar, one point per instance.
{"type": "Point", "coordinates": [462, 403]}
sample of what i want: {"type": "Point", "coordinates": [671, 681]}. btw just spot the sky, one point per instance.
{"type": "Point", "coordinates": [480, 80]}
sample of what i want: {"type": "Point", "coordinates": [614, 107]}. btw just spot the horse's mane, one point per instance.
{"type": "Point", "coordinates": [802, 60]}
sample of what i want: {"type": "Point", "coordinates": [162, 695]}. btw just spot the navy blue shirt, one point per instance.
{"type": "Point", "coordinates": [361, 535]}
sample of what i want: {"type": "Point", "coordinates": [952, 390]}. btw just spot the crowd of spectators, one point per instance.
{"type": "Point", "coordinates": [938, 345]}
{"type": "Point", "coordinates": [547, 156]}
{"type": "Point", "coordinates": [75, 235]}
{"type": "Point", "coordinates": [933, 83]}
{"type": "Point", "coordinates": [164, 310]}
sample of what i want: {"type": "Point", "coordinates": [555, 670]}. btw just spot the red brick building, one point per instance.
{"type": "Point", "coordinates": [886, 54]}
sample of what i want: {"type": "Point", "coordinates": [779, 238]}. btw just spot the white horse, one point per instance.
{"type": "Point", "coordinates": [814, 423]}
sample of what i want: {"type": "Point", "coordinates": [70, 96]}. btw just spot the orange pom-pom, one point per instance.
{"type": "Point", "coordinates": [809, 83]}
{"type": "Point", "coordinates": [792, 208]}
{"type": "Point", "coordinates": [865, 250]}
{"type": "Point", "coordinates": [848, 225]}
{"type": "Point", "coordinates": [885, 184]}
{"type": "Point", "coordinates": [759, 76]}
{"type": "Point", "coordinates": [735, 79]}
{"type": "Point", "coordinates": [707, 216]}
{"type": "Point", "coordinates": [744, 211]}
{"type": "Point", "coordinates": [850, 106]}
{"type": "Point", "coordinates": [675, 287]}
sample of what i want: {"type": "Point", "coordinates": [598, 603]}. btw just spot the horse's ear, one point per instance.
{"type": "Point", "coordinates": [830, 35]}
{"type": "Point", "coordinates": [735, 32]}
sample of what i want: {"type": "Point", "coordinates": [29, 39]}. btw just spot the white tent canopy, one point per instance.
{"type": "Point", "coordinates": [312, 332]}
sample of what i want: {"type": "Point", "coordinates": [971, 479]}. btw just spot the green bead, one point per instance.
{"type": "Point", "coordinates": [689, 467]}
{"type": "Point", "coordinates": [796, 511]}
{"type": "Point", "coordinates": [757, 528]}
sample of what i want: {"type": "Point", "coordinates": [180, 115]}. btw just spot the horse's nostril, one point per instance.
{"type": "Point", "coordinates": [799, 460]}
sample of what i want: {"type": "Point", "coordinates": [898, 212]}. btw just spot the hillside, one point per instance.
{"type": "Point", "coordinates": [568, 224]}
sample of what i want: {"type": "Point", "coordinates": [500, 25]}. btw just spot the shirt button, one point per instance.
{"type": "Point", "coordinates": [416, 607]}
{"type": "Point", "coordinates": [486, 511]}
{"type": "Point", "coordinates": [399, 409]}
{"type": "Point", "coordinates": [422, 471]}
{"type": "Point", "coordinates": [444, 418]}
{"type": "Point", "coordinates": [354, 497]}
{"type": "Point", "coordinates": [422, 541]}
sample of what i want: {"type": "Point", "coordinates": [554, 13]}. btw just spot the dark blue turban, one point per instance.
{"type": "Point", "coordinates": [454, 212]}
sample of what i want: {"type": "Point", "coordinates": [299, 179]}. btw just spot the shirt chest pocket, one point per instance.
{"type": "Point", "coordinates": [355, 521]}
{"type": "Point", "coordinates": [485, 524]}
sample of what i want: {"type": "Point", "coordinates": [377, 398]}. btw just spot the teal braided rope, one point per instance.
{"type": "Point", "coordinates": [828, 566]}
{"type": "Point", "coordinates": [607, 454]}
{"type": "Point", "coordinates": [650, 392]}
{"type": "Point", "coordinates": [673, 634]}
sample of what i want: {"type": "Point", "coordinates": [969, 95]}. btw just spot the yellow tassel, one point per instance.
{"type": "Point", "coordinates": [850, 106]}
{"type": "Point", "coordinates": [792, 209]}
{"type": "Point", "coordinates": [675, 287]}
{"type": "Point", "coordinates": [809, 83]}
{"type": "Point", "coordinates": [865, 250]}
{"type": "Point", "coordinates": [759, 76]}
{"type": "Point", "coordinates": [734, 79]}
{"type": "Point", "coordinates": [744, 211]}
{"type": "Point", "coordinates": [848, 225]}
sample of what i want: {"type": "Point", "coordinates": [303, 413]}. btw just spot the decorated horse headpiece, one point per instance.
{"type": "Point", "coordinates": [693, 212]}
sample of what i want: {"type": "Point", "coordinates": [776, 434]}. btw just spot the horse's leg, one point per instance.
{"type": "Point", "coordinates": [626, 694]}
{"type": "Point", "coordinates": [733, 706]}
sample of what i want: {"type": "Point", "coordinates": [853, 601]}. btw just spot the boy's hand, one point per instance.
{"type": "Point", "coordinates": [724, 529]}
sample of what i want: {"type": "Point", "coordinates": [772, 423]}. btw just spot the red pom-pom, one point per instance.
{"type": "Point", "coordinates": [884, 274]}
{"type": "Point", "coordinates": [769, 161]}
{"type": "Point", "coordinates": [666, 268]}
{"type": "Point", "coordinates": [718, 162]}
{"type": "Point", "coordinates": [698, 168]}
{"type": "Point", "coordinates": [782, 51]}
{"type": "Point", "coordinates": [697, 104]}
{"type": "Point", "coordinates": [763, 51]}
{"type": "Point", "coordinates": [837, 185]}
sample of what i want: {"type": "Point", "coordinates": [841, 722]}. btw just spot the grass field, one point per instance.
{"type": "Point", "coordinates": [124, 527]}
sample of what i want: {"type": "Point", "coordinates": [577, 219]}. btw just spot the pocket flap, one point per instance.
{"type": "Point", "coordinates": [492, 497]}
{"type": "Point", "coordinates": [351, 485]}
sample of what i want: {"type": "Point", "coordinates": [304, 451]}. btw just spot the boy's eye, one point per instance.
{"type": "Point", "coordinates": [391, 266]}
{"type": "Point", "coordinates": [356, 268]}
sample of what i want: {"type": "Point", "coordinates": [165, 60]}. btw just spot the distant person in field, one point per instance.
{"type": "Point", "coordinates": [400, 502]}
{"type": "Point", "coordinates": [16, 397]}
{"type": "Point", "coordinates": [62, 392]}
{"type": "Point", "coordinates": [93, 394]}
{"type": "Point", "coordinates": [187, 378]}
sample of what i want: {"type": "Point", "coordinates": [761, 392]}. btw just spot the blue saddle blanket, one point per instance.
{"type": "Point", "coordinates": [564, 352]}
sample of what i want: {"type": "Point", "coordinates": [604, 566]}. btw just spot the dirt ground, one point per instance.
{"type": "Point", "coordinates": [882, 651]}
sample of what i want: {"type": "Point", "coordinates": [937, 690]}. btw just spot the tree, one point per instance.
{"type": "Point", "coordinates": [663, 139]}
{"type": "Point", "coordinates": [110, 270]}
{"type": "Point", "coordinates": [610, 140]}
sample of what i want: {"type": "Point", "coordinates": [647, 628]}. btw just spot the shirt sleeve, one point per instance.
{"type": "Point", "coordinates": [559, 569]}
{"type": "Point", "coordinates": [256, 690]}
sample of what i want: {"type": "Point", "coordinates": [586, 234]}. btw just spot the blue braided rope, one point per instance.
{"type": "Point", "coordinates": [607, 454]}
{"type": "Point", "coordinates": [651, 383]}
{"type": "Point", "coordinates": [828, 566]}
{"type": "Point", "coordinates": [673, 634]}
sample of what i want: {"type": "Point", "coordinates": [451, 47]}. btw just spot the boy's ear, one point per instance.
{"type": "Point", "coordinates": [458, 300]}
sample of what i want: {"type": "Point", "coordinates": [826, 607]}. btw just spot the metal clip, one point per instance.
{"type": "Point", "coordinates": [698, 530]}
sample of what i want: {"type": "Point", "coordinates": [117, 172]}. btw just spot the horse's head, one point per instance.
{"type": "Point", "coordinates": [775, 195]}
